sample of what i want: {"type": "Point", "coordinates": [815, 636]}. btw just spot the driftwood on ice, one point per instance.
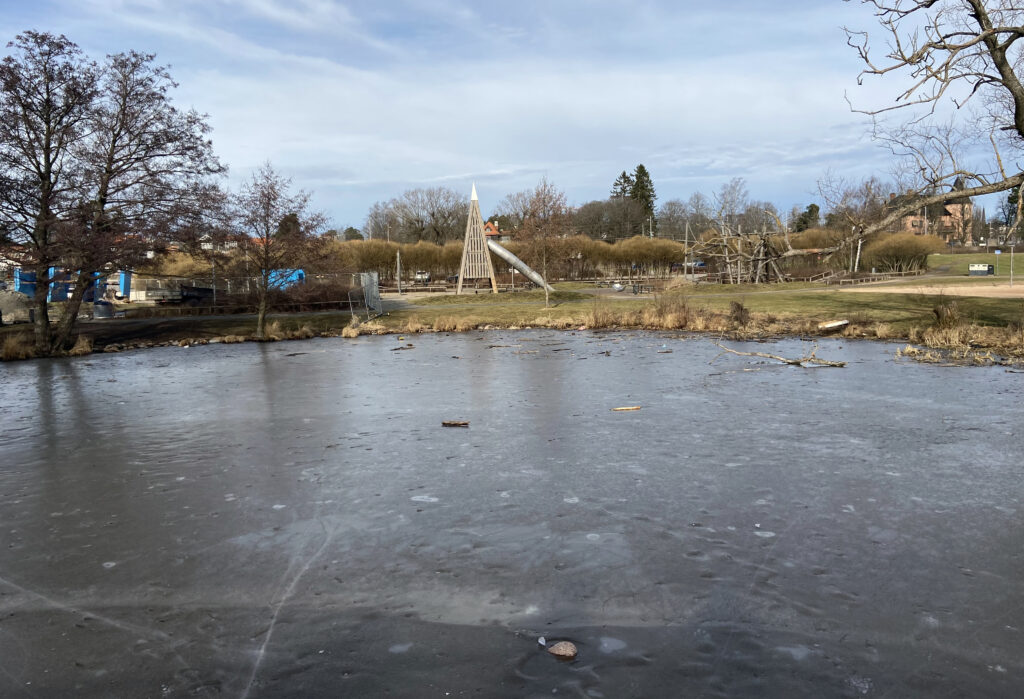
{"type": "Point", "coordinates": [805, 361]}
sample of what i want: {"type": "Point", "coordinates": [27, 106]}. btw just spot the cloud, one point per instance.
{"type": "Point", "coordinates": [373, 98]}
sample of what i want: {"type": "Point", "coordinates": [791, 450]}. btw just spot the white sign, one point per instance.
{"type": "Point", "coordinates": [999, 252]}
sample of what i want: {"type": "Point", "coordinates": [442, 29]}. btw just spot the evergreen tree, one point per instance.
{"type": "Point", "coordinates": [1008, 208]}
{"type": "Point", "coordinates": [808, 219]}
{"type": "Point", "coordinates": [642, 191]}
{"type": "Point", "coordinates": [623, 186]}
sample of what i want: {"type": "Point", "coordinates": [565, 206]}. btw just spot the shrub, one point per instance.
{"type": "Point", "coordinates": [947, 314]}
{"type": "Point", "coordinates": [902, 252]}
{"type": "Point", "coordinates": [815, 238]}
{"type": "Point", "coordinates": [738, 313]}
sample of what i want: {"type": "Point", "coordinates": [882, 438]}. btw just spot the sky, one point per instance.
{"type": "Point", "coordinates": [360, 100]}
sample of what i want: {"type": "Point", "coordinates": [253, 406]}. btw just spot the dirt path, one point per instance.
{"type": "Point", "coordinates": [990, 290]}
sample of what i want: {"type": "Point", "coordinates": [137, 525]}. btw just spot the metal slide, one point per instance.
{"type": "Point", "coordinates": [518, 264]}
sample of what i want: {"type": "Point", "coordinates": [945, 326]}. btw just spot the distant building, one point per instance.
{"type": "Point", "coordinates": [950, 219]}
{"type": "Point", "coordinates": [12, 257]}
{"type": "Point", "coordinates": [492, 232]}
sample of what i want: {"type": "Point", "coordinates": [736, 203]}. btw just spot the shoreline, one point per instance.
{"type": "Point", "coordinates": [954, 324]}
{"type": "Point", "coordinates": [950, 354]}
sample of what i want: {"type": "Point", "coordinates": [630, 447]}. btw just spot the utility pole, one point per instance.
{"type": "Point", "coordinates": [689, 257]}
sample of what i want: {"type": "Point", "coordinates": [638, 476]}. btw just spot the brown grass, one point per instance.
{"type": "Point", "coordinates": [885, 331]}
{"type": "Point", "coordinates": [668, 312]}
{"type": "Point", "coordinates": [947, 313]}
{"type": "Point", "coordinates": [17, 346]}
{"type": "Point", "coordinates": [919, 355]}
{"type": "Point", "coordinates": [600, 315]}
{"type": "Point", "coordinates": [303, 333]}
{"type": "Point", "coordinates": [272, 332]}
{"type": "Point", "coordinates": [445, 324]}
{"type": "Point", "coordinates": [83, 346]}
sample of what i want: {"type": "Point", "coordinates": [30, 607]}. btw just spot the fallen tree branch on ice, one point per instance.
{"type": "Point", "coordinates": [806, 361]}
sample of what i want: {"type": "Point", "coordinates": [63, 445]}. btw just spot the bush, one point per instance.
{"type": "Point", "coordinates": [738, 313]}
{"type": "Point", "coordinates": [313, 295]}
{"type": "Point", "coordinates": [815, 238]}
{"type": "Point", "coordinates": [947, 314]}
{"type": "Point", "coordinates": [902, 252]}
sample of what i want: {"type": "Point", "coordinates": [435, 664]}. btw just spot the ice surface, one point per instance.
{"type": "Point", "coordinates": [289, 524]}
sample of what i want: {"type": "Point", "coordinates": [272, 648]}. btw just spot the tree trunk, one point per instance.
{"type": "Point", "coordinates": [62, 338]}
{"type": "Point", "coordinates": [544, 267]}
{"type": "Point", "coordinates": [42, 322]}
{"type": "Point", "coordinates": [261, 316]}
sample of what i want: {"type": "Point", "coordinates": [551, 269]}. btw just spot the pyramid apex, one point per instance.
{"type": "Point", "coordinates": [473, 196]}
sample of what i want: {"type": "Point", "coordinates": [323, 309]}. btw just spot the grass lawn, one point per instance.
{"type": "Point", "coordinates": [804, 300]}
{"type": "Point", "coordinates": [902, 310]}
{"type": "Point", "coordinates": [956, 265]}
{"type": "Point", "coordinates": [531, 297]}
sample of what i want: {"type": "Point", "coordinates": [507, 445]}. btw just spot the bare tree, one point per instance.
{"type": "Point", "coordinates": [98, 164]}
{"type": "Point", "coordinates": [855, 208]}
{"type": "Point", "coordinates": [380, 220]}
{"type": "Point", "coordinates": [280, 232]}
{"type": "Point", "coordinates": [541, 214]}
{"type": "Point", "coordinates": [610, 219]}
{"type": "Point", "coordinates": [729, 202]}
{"type": "Point", "coordinates": [47, 90]}
{"type": "Point", "coordinates": [144, 161]}
{"type": "Point", "coordinates": [434, 214]}
{"type": "Point", "coordinates": [673, 219]}
{"type": "Point", "coordinates": [948, 53]}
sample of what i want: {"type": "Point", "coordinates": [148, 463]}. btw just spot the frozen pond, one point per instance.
{"type": "Point", "coordinates": [292, 520]}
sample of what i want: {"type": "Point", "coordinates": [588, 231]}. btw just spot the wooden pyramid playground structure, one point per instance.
{"type": "Point", "coordinates": [476, 258]}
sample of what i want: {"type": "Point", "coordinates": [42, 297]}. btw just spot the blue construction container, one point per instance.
{"type": "Point", "coordinates": [96, 288]}
{"type": "Point", "coordinates": [124, 281]}
{"type": "Point", "coordinates": [60, 284]}
{"type": "Point", "coordinates": [284, 278]}
{"type": "Point", "coordinates": [25, 282]}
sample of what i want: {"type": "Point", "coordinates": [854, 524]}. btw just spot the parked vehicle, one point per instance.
{"type": "Point", "coordinates": [421, 277]}
{"type": "Point", "coordinates": [185, 295]}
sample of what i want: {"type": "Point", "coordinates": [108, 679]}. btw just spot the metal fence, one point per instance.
{"type": "Point", "coordinates": [367, 294]}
